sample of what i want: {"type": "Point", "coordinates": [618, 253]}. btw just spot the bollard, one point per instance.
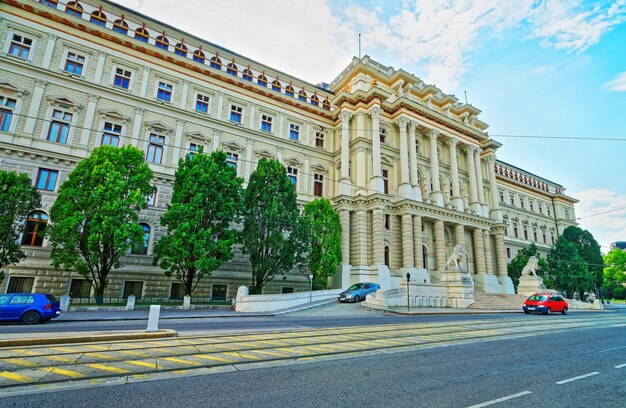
{"type": "Point", "coordinates": [130, 302]}
{"type": "Point", "coordinates": [153, 318]}
{"type": "Point", "coordinates": [187, 302]}
{"type": "Point", "coordinates": [65, 303]}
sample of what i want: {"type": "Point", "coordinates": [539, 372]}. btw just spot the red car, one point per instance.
{"type": "Point", "coordinates": [545, 303]}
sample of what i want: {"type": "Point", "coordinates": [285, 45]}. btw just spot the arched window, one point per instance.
{"type": "Point", "coordinates": [35, 226]}
{"type": "Point", "coordinates": [50, 3]}
{"type": "Point", "coordinates": [162, 42]}
{"type": "Point", "coordinates": [302, 95]}
{"type": "Point", "coordinates": [142, 34]}
{"type": "Point", "coordinates": [120, 26]}
{"type": "Point", "coordinates": [232, 68]}
{"type": "Point", "coordinates": [142, 247]}
{"type": "Point", "coordinates": [198, 56]}
{"type": "Point", "coordinates": [315, 100]}
{"type": "Point", "coordinates": [74, 8]}
{"type": "Point", "coordinates": [326, 104]}
{"type": "Point", "coordinates": [98, 17]}
{"type": "Point", "coordinates": [262, 80]}
{"type": "Point", "coordinates": [216, 62]}
{"type": "Point", "coordinates": [387, 256]}
{"type": "Point", "coordinates": [181, 49]}
{"type": "Point", "coordinates": [276, 85]}
{"type": "Point", "coordinates": [289, 90]}
{"type": "Point", "coordinates": [247, 74]}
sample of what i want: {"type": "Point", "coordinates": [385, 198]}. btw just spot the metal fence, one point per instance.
{"type": "Point", "coordinates": [146, 301]}
{"type": "Point", "coordinates": [436, 301]}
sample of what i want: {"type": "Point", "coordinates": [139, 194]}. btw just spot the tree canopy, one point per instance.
{"type": "Point", "coordinates": [206, 203]}
{"type": "Point", "coordinates": [614, 273]}
{"type": "Point", "coordinates": [18, 197]}
{"type": "Point", "coordinates": [514, 268]}
{"type": "Point", "coordinates": [323, 229]}
{"type": "Point", "coordinates": [588, 249]}
{"type": "Point", "coordinates": [272, 230]}
{"type": "Point", "coordinates": [568, 270]}
{"type": "Point", "coordinates": [94, 219]}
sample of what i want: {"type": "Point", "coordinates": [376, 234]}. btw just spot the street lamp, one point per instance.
{"type": "Point", "coordinates": [311, 289]}
{"type": "Point", "coordinates": [408, 303]}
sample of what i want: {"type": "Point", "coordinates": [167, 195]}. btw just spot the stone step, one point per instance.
{"type": "Point", "coordinates": [497, 301]}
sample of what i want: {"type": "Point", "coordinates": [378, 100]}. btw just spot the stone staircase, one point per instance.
{"type": "Point", "coordinates": [497, 301]}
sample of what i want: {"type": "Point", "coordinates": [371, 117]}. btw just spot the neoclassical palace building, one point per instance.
{"type": "Point", "coordinates": [410, 169]}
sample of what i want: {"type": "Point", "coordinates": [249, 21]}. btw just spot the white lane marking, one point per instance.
{"type": "Point", "coordinates": [620, 366]}
{"type": "Point", "coordinates": [611, 349]}
{"type": "Point", "coordinates": [495, 401]}
{"type": "Point", "coordinates": [577, 378]}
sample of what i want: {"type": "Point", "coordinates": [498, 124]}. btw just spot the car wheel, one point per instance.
{"type": "Point", "coordinates": [548, 311]}
{"type": "Point", "coordinates": [564, 311]}
{"type": "Point", "coordinates": [31, 317]}
{"type": "Point", "coordinates": [357, 299]}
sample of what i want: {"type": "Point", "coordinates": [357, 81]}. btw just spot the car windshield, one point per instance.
{"type": "Point", "coordinates": [355, 286]}
{"type": "Point", "coordinates": [538, 297]}
{"type": "Point", "coordinates": [51, 299]}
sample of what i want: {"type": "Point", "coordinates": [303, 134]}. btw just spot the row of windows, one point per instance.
{"type": "Point", "coordinates": [162, 42]}
{"type": "Point", "coordinates": [522, 204]}
{"type": "Point", "coordinates": [535, 234]}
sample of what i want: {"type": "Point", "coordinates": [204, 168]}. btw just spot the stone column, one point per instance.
{"type": "Point", "coordinates": [457, 201]}
{"type": "Point", "coordinates": [360, 169]}
{"type": "Point", "coordinates": [249, 162]}
{"type": "Point", "coordinates": [488, 254]}
{"type": "Point", "coordinates": [47, 56]}
{"type": "Point", "coordinates": [376, 179]}
{"type": "Point", "coordinates": [178, 142]}
{"type": "Point", "coordinates": [90, 113]}
{"type": "Point", "coordinates": [345, 183]}
{"type": "Point", "coordinates": [440, 246]}
{"type": "Point", "coordinates": [417, 242]}
{"type": "Point", "coordinates": [405, 189]}
{"type": "Point", "coordinates": [378, 236]}
{"type": "Point", "coordinates": [361, 237]}
{"type": "Point", "coordinates": [344, 218]}
{"type": "Point", "coordinates": [417, 193]}
{"type": "Point", "coordinates": [496, 213]}
{"type": "Point", "coordinates": [100, 67]}
{"type": "Point", "coordinates": [479, 180]}
{"type": "Point", "coordinates": [498, 235]}
{"type": "Point", "coordinates": [135, 136]}
{"type": "Point", "coordinates": [471, 167]}
{"type": "Point", "coordinates": [408, 259]}
{"type": "Point", "coordinates": [436, 196]}
{"type": "Point", "coordinates": [479, 251]}
{"type": "Point", "coordinates": [35, 104]}
{"type": "Point", "coordinates": [459, 235]}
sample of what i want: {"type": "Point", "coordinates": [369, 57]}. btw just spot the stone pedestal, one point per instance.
{"type": "Point", "coordinates": [530, 284]}
{"type": "Point", "coordinates": [341, 280]}
{"type": "Point", "coordinates": [487, 283]}
{"type": "Point", "coordinates": [65, 303]}
{"type": "Point", "coordinates": [506, 285]}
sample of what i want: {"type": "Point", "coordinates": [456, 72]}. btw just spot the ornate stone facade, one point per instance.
{"type": "Point", "coordinates": [410, 170]}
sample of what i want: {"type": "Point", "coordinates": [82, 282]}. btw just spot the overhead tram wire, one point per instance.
{"type": "Point", "coordinates": [603, 212]}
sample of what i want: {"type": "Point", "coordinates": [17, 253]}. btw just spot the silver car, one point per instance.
{"type": "Point", "coordinates": [358, 292]}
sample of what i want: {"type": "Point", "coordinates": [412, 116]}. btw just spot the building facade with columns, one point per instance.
{"type": "Point", "coordinates": [410, 169]}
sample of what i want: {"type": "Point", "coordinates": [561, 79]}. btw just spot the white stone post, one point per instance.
{"type": "Point", "coordinates": [130, 303]}
{"type": "Point", "coordinates": [65, 303]}
{"type": "Point", "coordinates": [153, 318]}
{"type": "Point", "coordinates": [186, 302]}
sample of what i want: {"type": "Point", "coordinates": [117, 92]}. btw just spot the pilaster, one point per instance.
{"type": "Point", "coordinates": [89, 116]}
{"type": "Point", "coordinates": [417, 193]}
{"type": "Point", "coordinates": [408, 259]}
{"type": "Point", "coordinates": [376, 179]}
{"type": "Point", "coordinates": [405, 189]}
{"type": "Point", "coordinates": [344, 217]}
{"type": "Point", "coordinates": [35, 104]}
{"type": "Point", "coordinates": [479, 251]}
{"type": "Point", "coordinates": [488, 253]}
{"type": "Point", "coordinates": [135, 139]}
{"type": "Point", "coordinates": [440, 246]}
{"type": "Point", "coordinates": [345, 183]}
{"type": "Point", "coordinates": [471, 167]}
{"type": "Point", "coordinates": [361, 237]}
{"type": "Point", "coordinates": [496, 213]}
{"type": "Point", "coordinates": [377, 236]}
{"type": "Point", "coordinates": [436, 196]}
{"type": "Point", "coordinates": [457, 201]}
{"type": "Point", "coordinates": [47, 56]}
{"type": "Point", "coordinates": [417, 242]}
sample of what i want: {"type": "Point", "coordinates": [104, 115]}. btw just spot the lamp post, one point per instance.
{"type": "Point", "coordinates": [408, 303]}
{"type": "Point", "coordinates": [310, 288]}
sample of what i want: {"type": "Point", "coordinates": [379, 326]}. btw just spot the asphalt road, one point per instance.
{"type": "Point", "coordinates": [580, 366]}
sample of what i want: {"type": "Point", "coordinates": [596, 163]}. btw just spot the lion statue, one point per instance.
{"type": "Point", "coordinates": [531, 267]}
{"type": "Point", "coordinates": [455, 259]}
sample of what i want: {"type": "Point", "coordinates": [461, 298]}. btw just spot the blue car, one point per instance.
{"type": "Point", "coordinates": [358, 292]}
{"type": "Point", "coordinates": [30, 308]}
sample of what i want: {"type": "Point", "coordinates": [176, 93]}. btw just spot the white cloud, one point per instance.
{"type": "Point", "coordinates": [618, 83]}
{"type": "Point", "coordinates": [596, 214]}
{"type": "Point", "coordinates": [541, 70]}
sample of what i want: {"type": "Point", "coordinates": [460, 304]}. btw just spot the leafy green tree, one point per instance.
{"type": "Point", "coordinates": [94, 219]}
{"type": "Point", "coordinates": [514, 268]}
{"type": "Point", "coordinates": [568, 270]}
{"type": "Point", "coordinates": [614, 272]}
{"type": "Point", "coordinates": [588, 249]}
{"type": "Point", "coordinates": [206, 203]}
{"type": "Point", "coordinates": [18, 198]}
{"type": "Point", "coordinates": [272, 234]}
{"type": "Point", "coordinates": [324, 240]}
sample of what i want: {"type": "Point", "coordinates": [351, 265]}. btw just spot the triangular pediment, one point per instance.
{"type": "Point", "coordinates": [63, 101]}
{"type": "Point", "coordinates": [114, 113]}
{"type": "Point", "coordinates": [293, 161]}
{"type": "Point", "coordinates": [232, 145]}
{"type": "Point", "coordinates": [198, 136]}
{"type": "Point", "coordinates": [264, 153]}
{"type": "Point", "coordinates": [10, 89]}
{"type": "Point", "coordinates": [155, 124]}
{"type": "Point", "coordinates": [318, 168]}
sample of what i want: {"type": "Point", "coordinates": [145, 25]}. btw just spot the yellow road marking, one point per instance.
{"type": "Point", "coordinates": [15, 377]}
{"type": "Point", "coordinates": [390, 341]}
{"type": "Point", "coordinates": [160, 343]}
{"type": "Point", "coordinates": [133, 353]}
{"type": "Point", "coordinates": [64, 349]}
{"type": "Point", "coordinates": [59, 358]}
{"type": "Point", "coordinates": [314, 348]}
{"type": "Point", "coordinates": [248, 356]}
{"type": "Point", "coordinates": [223, 360]}
{"type": "Point", "coordinates": [94, 346]}
{"type": "Point", "coordinates": [142, 364]}
{"type": "Point", "coordinates": [293, 351]}
{"type": "Point", "coordinates": [66, 373]}
{"type": "Point", "coordinates": [338, 346]}
{"type": "Point", "coordinates": [100, 355]}
{"type": "Point", "coordinates": [108, 368]}
{"type": "Point", "coordinates": [269, 353]}
{"type": "Point", "coordinates": [21, 362]}
{"type": "Point", "coordinates": [178, 360]}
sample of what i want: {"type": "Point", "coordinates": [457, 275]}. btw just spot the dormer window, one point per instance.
{"type": "Point", "coordinates": [262, 80]}
{"type": "Point", "coordinates": [326, 104]}
{"type": "Point", "coordinates": [198, 56]}
{"type": "Point", "coordinates": [232, 69]}
{"type": "Point", "coordinates": [74, 8]}
{"type": "Point", "coordinates": [120, 26]}
{"type": "Point", "coordinates": [276, 85]}
{"type": "Point", "coordinates": [142, 34]}
{"type": "Point", "coordinates": [180, 49]}
{"type": "Point", "coordinates": [289, 91]}
{"type": "Point", "coordinates": [302, 95]}
{"type": "Point", "coordinates": [315, 100]}
{"type": "Point", "coordinates": [99, 18]}
{"type": "Point", "coordinates": [247, 74]}
{"type": "Point", "coordinates": [216, 62]}
{"type": "Point", "coordinates": [162, 42]}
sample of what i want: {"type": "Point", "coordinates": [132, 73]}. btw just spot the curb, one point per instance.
{"type": "Point", "coordinates": [88, 338]}
{"type": "Point", "coordinates": [112, 319]}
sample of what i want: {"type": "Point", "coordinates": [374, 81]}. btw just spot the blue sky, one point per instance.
{"type": "Point", "coordinates": [554, 68]}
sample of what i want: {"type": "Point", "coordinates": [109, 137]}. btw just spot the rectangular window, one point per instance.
{"type": "Point", "coordinates": [176, 291]}
{"type": "Point", "coordinates": [319, 139]}
{"type": "Point", "coordinates": [218, 292]}
{"type": "Point", "coordinates": [292, 173]}
{"type": "Point", "coordinates": [122, 78]}
{"type": "Point", "coordinates": [47, 179]}
{"type": "Point", "coordinates": [202, 103]}
{"type": "Point", "coordinates": [548, 210]}
{"type": "Point", "coordinates": [511, 199]}
{"type": "Point", "coordinates": [155, 149]}
{"type": "Point", "coordinates": [387, 222]}
{"type": "Point", "coordinates": [543, 235]}
{"type": "Point", "coordinates": [80, 288]}
{"type": "Point", "coordinates": [532, 205]}
{"type": "Point", "coordinates": [235, 113]}
{"type": "Point", "coordinates": [566, 214]}
{"type": "Point", "coordinates": [7, 108]}
{"type": "Point", "coordinates": [385, 181]}
{"type": "Point", "coordinates": [164, 92]}
{"type": "Point", "coordinates": [286, 289]}
{"type": "Point", "coordinates": [133, 288]}
{"type": "Point", "coordinates": [515, 231]}
{"type": "Point", "coordinates": [59, 127]}
{"type": "Point", "coordinates": [535, 235]}
{"type": "Point", "coordinates": [74, 63]}
{"type": "Point", "coordinates": [266, 123]}
{"type": "Point", "coordinates": [540, 207]}
{"type": "Point", "coordinates": [195, 148]}
{"type": "Point", "coordinates": [501, 196]}
{"type": "Point", "coordinates": [111, 134]}
{"type": "Point", "coordinates": [20, 46]}
{"type": "Point", "coordinates": [231, 159]}
{"type": "Point", "coordinates": [151, 200]}
{"type": "Point", "coordinates": [383, 135]}
{"type": "Point", "coordinates": [508, 253]}
{"type": "Point", "coordinates": [19, 284]}
{"type": "Point", "coordinates": [525, 234]}
{"type": "Point", "coordinates": [521, 202]}
{"type": "Point", "coordinates": [294, 132]}
{"type": "Point", "coordinates": [318, 185]}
